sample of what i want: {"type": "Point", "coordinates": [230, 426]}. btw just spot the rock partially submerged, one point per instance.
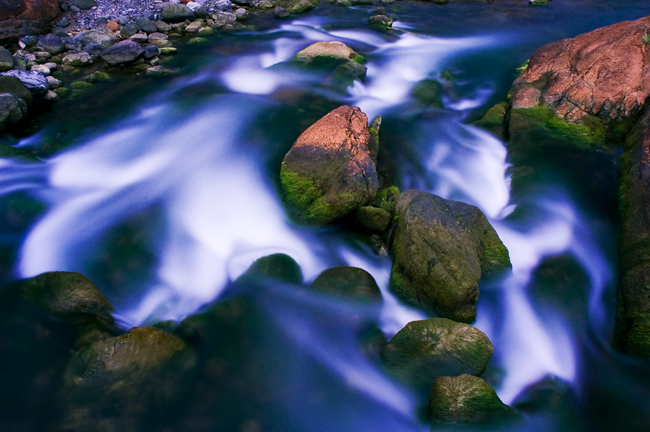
{"type": "Point", "coordinates": [334, 57]}
{"type": "Point", "coordinates": [425, 350]}
{"type": "Point", "coordinates": [441, 249]}
{"type": "Point", "coordinates": [467, 401]}
{"type": "Point", "coordinates": [329, 171]}
{"type": "Point", "coordinates": [350, 282]}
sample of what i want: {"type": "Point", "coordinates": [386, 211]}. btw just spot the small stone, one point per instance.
{"type": "Point", "coordinates": [223, 5]}
{"type": "Point", "coordinates": [53, 82]}
{"type": "Point", "coordinates": [176, 13]}
{"type": "Point", "coordinates": [79, 59]}
{"type": "Point", "coordinates": [146, 25]}
{"type": "Point", "coordinates": [95, 50]}
{"type": "Point", "coordinates": [43, 55]}
{"type": "Point", "coordinates": [128, 30]}
{"type": "Point", "coordinates": [156, 37]}
{"type": "Point", "coordinates": [51, 96]}
{"type": "Point", "coordinates": [162, 71]}
{"type": "Point", "coordinates": [84, 4]}
{"type": "Point", "coordinates": [166, 51]}
{"type": "Point", "coordinates": [139, 38]}
{"type": "Point", "coordinates": [122, 52]}
{"type": "Point", "coordinates": [281, 12]}
{"type": "Point", "coordinates": [51, 43]}
{"type": "Point", "coordinates": [112, 25]}
{"type": "Point", "coordinates": [194, 26]}
{"type": "Point", "coordinates": [241, 14]}
{"type": "Point", "coordinates": [29, 40]}
{"type": "Point", "coordinates": [205, 31]}
{"type": "Point", "coordinates": [75, 9]}
{"type": "Point", "coordinates": [51, 66]}
{"type": "Point", "coordinates": [41, 68]}
{"type": "Point", "coordinates": [150, 51]}
{"type": "Point", "coordinates": [163, 26]}
{"type": "Point", "coordinates": [193, 6]}
{"type": "Point", "coordinates": [382, 22]}
{"type": "Point", "coordinates": [350, 282]}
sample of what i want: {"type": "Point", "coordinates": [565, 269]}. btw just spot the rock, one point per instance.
{"type": "Point", "coordinates": [197, 41]}
{"type": "Point", "coordinates": [32, 10]}
{"type": "Point", "coordinates": [194, 26]}
{"type": "Point", "coordinates": [242, 2]}
{"type": "Point", "coordinates": [494, 120]}
{"type": "Point", "coordinates": [146, 25]}
{"type": "Point", "coordinates": [94, 37]}
{"type": "Point", "coordinates": [53, 83]}
{"type": "Point", "coordinates": [34, 81]}
{"type": "Point", "coordinates": [156, 37]}
{"type": "Point", "coordinates": [84, 4]}
{"type": "Point", "coordinates": [329, 171]}
{"type": "Point", "coordinates": [242, 14]}
{"type": "Point", "coordinates": [302, 6]}
{"type": "Point", "coordinates": [150, 51]}
{"type": "Point", "coordinates": [51, 43]}
{"type": "Point", "coordinates": [467, 401]}
{"type": "Point", "coordinates": [112, 25]}
{"type": "Point", "coordinates": [29, 40]}
{"type": "Point", "coordinates": [122, 52]}
{"type": "Point", "coordinates": [223, 19]}
{"type": "Point", "coordinates": [193, 6]}
{"type": "Point", "coordinates": [176, 13]}
{"type": "Point", "coordinates": [79, 59]}
{"type": "Point", "coordinates": [51, 66]}
{"type": "Point", "coordinates": [51, 96]}
{"type": "Point", "coordinates": [162, 71]}
{"type": "Point", "coordinates": [373, 218]}
{"type": "Point", "coordinates": [554, 400]}
{"type": "Point", "coordinates": [12, 110]}
{"type": "Point", "coordinates": [425, 350]}
{"type": "Point", "coordinates": [94, 50]}
{"type": "Point", "coordinates": [223, 5]}
{"type": "Point", "coordinates": [6, 59]}
{"type": "Point", "coordinates": [140, 38]}
{"type": "Point", "coordinates": [381, 22]}
{"type": "Point", "coordinates": [128, 30]}
{"type": "Point", "coordinates": [441, 248]}
{"type": "Point", "coordinates": [281, 12]}
{"type": "Point", "coordinates": [586, 76]}
{"type": "Point", "coordinates": [167, 51]}
{"type": "Point", "coordinates": [278, 267]}
{"type": "Point", "coordinates": [12, 85]}
{"type": "Point", "coordinates": [428, 92]}
{"type": "Point", "coordinates": [349, 282]}
{"type": "Point", "coordinates": [335, 57]}
{"type": "Point", "coordinates": [41, 69]}
{"type": "Point", "coordinates": [205, 31]}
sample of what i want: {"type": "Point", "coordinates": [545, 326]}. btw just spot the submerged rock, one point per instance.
{"type": "Point", "coordinates": [333, 57]}
{"type": "Point", "coordinates": [428, 349]}
{"type": "Point", "coordinates": [441, 249]}
{"type": "Point", "coordinates": [279, 267]}
{"type": "Point", "coordinates": [348, 282]}
{"type": "Point", "coordinates": [329, 171]}
{"type": "Point", "coordinates": [467, 401]}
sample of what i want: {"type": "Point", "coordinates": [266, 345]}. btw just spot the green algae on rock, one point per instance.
{"type": "Point", "coordinates": [329, 171]}
{"type": "Point", "coordinates": [335, 58]}
{"type": "Point", "coordinates": [425, 350]}
{"type": "Point", "coordinates": [441, 249]}
{"type": "Point", "coordinates": [350, 282]}
{"type": "Point", "coordinates": [467, 401]}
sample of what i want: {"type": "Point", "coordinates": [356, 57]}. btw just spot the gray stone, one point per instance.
{"type": "Point", "coordinates": [30, 41]}
{"type": "Point", "coordinates": [95, 50]}
{"type": "Point", "coordinates": [51, 43]}
{"type": "Point", "coordinates": [35, 82]}
{"type": "Point", "coordinates": [176, 13]}
{"type": "Point", "coordinates": [41, 68]}
{"type": "Point", "coordinates": [139, 38]}
{"type": "Point", "coordinates": [53, 82]}
{"type": "Point", "coordinates": [6, 60]}
{"type": "Point", "coordinates": [12, 110]}
{"type": "Point", "coordinates": [441, 249]}
{"type": "Point", "coordinates": [122, 52]}
{"type": "Point", "coordinates": [84, 4]}
{"type": "Point", "coordinates": [223, 5]}
{"type": "Point", "coordinates": [94, 37]}
{"type": "Point", "coordinates": [150, 51]}
{"type": "Point", "coordinates": [242, 14]}
{"type": "Point", "coordinates": [79, 59]}
{"type": "Point", "coordinates": [146, 25]}
{"type": "Point", "coordinates": [129, 29]}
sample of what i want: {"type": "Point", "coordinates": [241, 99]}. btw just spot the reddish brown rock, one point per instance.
{"type": "Point", "coordinates": [604, 73]}
{"type": "Point", "coordinates": [330, 170]}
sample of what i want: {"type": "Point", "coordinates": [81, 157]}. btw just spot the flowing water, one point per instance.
{"type": "Point", "coordinates": [170, 192]}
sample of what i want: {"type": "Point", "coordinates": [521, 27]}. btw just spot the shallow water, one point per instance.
{"type": "Point", "coordinates": [171, 193]}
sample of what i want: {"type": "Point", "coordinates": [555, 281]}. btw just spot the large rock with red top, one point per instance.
{"type": "Point", "coordinates": [602, 73]}
{"type": "Point", "coordinates": [330, 170]}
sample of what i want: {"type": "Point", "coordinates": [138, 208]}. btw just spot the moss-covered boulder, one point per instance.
{"type": "Point", "coordinates": [425, 350]}
{"type": "Point", "coordinates": [467, 401]}
{"type": "Point", "coordinates": [12, 85]}
{"type": "Point", "coordinates": [329, 171]}
{"type": "Point", "coordinates": [279, 267]}
{"type": "Point", "coordinates": [428, 92]}
{"type": "Point", "coordinates": [441, 249]}
{"type": "Point", "coordinates": [350, 282]}
{"type": "Point", "coordinates": [334, 59]}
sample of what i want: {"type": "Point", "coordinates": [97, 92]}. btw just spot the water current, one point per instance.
{"type": "Point", "coordinates": [167, 197]}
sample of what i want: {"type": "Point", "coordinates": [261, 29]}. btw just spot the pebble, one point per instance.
{"type": "Point", "coordinates": [53, 82]}
{"type": "Point", "coordinates": [42, 69]}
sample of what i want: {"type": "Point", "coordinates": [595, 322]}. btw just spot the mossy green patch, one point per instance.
{"type": "Point", "coordinates": [590, 132]}
{"type": "Point", "coordinates": [522, 68]}
{"type": "Point", "coordinates": [358, 58]}
{"type": "Point", "coordinates": [428, 92]}
{"type": "Point", "coordinates": [304, 197]}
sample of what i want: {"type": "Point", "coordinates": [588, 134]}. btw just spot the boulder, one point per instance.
{"type": "Point", "coordinates": [329, 171]}
{"type": "Point", "coordinates": [381, 22]}
{"type": "Point", "coordinates": [12, 110]}
{"type": "Point", "coordinates": [175, 12]}
{"type": "Point", "coordinates": [332, 57]}
{"type": "Point", "coordinates": [441, 249]}
{"type": "Point", "coordinates": [84, 4]}
{"type": "Point", "coordinates": [350, 282]}
{"type": "Point", "coordinates": [603, 73]}
{"type": "Point", "coordinates": [35, 82]}
{"type": "Point", "coordinates": [425, 350]}
{"type": "Point", "coordinates": [94, 37]}
{"type": "Point", "coordinates": [467, 401]}
{"type": "Point", "coordinates": [6, 59]}
{"type": "Point", "coordinates": [279, 267]}
{"type": "Point", "coordinates": [32, 10]}
{"type": "Point", "coordinates": [122, 52]}
{"type": "Point", "coordinates": [12, 85]}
